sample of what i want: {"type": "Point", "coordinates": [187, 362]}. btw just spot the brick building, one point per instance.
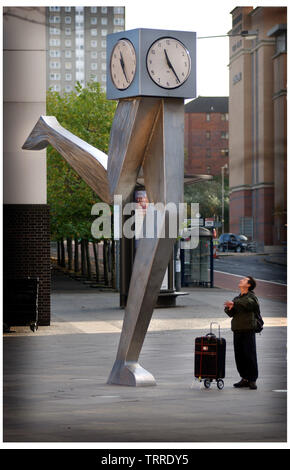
{"type": "Point", "coordinates": [206, 135]}
{"type": "Point", "coordinates": [258, 128]}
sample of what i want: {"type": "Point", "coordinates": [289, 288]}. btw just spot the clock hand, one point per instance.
{"type": "Point", "coordinates": [170, 65]}
{"type": "Point", "coordinates": [123, 66]}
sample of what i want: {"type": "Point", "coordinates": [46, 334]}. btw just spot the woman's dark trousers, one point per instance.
{"type": "Point", "coordinates": [246, 355]}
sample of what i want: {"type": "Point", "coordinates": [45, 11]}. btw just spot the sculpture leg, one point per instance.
{"type": "Point", "coordinates": [151, 260]}
{"type": "Point", "coordinates": [163, 174]}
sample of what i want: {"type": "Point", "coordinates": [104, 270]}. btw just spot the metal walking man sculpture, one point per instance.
{"type": "Point", "coordinates": [149, 72]}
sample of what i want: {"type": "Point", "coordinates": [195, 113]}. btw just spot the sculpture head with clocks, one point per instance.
{"type": "Point", "coordinates": [150, 62]}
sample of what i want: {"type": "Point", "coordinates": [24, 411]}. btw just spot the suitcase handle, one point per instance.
{"type": "Point", "coordinates": [219, 328]}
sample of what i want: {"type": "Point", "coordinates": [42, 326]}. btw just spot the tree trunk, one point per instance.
{"type": "Point", "coordinates": [83, 258]}
{"type": "Point", "coordinates": [76, 256]}
{"type": "Point", "coordinates": [69, 252]}
{"type": "Point", "coordinates": [95, 247]}
{"type": "Point", "coordinates": [105, 262]}
{"type": "Point", "coordinates": [62, 254]}
{"type": "Point", "coordinates": [58, 253]}
{"type": "Point", "coordinates": [89, 271]}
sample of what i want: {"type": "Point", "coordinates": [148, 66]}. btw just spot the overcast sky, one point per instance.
{"type": "Point", "coordinates": [205, 17]}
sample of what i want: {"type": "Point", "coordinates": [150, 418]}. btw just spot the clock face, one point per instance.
{"type": "Point", "coordinates": [123, 64]}
{"type": "Point", "coordinates": [168, 63]}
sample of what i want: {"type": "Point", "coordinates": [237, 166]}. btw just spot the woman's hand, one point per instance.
{"type": "Point", "coordinates": [229, 304]}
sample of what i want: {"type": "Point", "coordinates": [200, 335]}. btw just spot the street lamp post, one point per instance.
{"type": "Point", "coordinates": [223, 196]}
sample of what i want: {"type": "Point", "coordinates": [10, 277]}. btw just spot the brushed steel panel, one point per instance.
{"type": "Point", "coordinates": [89, 162]}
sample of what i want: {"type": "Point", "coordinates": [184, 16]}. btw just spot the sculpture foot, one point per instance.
{"type": "Point", "coordinates": [130, 374]}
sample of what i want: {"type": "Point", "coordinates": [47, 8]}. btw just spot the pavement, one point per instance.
{"type": "Point", "coordinates": [55, 387]}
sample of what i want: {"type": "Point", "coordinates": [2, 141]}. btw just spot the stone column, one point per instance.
{"type": "Point", "coordinates": [26, 216]}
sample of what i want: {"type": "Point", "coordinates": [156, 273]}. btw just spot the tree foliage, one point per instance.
{"type": "Point", "coordinates": [86, 113]}
{"type": "Point", "coordinates": [209, 196]}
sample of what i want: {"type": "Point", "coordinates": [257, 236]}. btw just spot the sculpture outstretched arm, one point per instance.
{"type": "Point", "coordinates": [89, 162]}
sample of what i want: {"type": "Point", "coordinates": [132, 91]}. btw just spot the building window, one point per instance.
{"type": "Point", "coordinates": [80, 76]}
{"type": "Point", "coordinates": [94, 20]}
{"type": "Point", "coordinates": [54, 42]}
{"type": "Point", "coordinates": [93, 9]}
{"type": "Point", "coordinates": [79, 42]}
{"type": "Point", "coordinates": [104, 66]}
{"type": "Point", "coordinates": [119, 10]}
{"type": "Point", "coordinates": [54, 76]}
{"type": "Point", "coordinates": [103, 55]}
{"type": "Point", "coordinates": [67, 9]}
{"type": "Point", "coordinates": [56, 87]}
{"type": "Point", "coordinates": [94, 54]}
{"type": "Point", "coordinates": [225, 117]}
{"type": "Point", "coordinates": [68, 77]}
{"type": "Point", "coordinates": [208, 153]}
{"type": "Point", "coordinates": [224, 135]}
{"type": "Point", "coordinates": [104, 32]}
{"type": "Point", "coordinates": [54, 53]}
{"type": "Point", "coordinates": [54, 31]}
{"type": "Point", "coordinates": [208, 169]}
{"type": "Point", "coordinates": [104, 21]}
{"type": "Point", "coordinates": [207, 135]}
{"type": "Point", "coordinates": [54, 65]}
{"type": "Point", "coordinates": [104, 78]}
{"type": "Point", "coordinates": [67, 65]}
{"type": "Point", "coordinates": [224, 152]}
{"type": "Point", "coordinates": [67, 20]}
{"type": "Point", "coordinates": [207, 116]}
{"type": "Point", "coordinates": [94, 43]}
{"type": "Point", "coordinates": [80, 64]}
{"type": "Point", "coordinates": [54, 19]}
{"type": "Point", "coordinates": [104, 9]}
{"type": "Point", "coordinates": [68, 88]}
{"type": "Point", "coordinates": [67, 54]}
{"type": "Point", "coordinates": [94, 66]}
{"type": "Point", "coordinates": [54, 8]}
{"type": "Point", "coordinates": [67, 43]}
{"type": "Point", "coordinates": [67, 31]}
{"type": "Point", "coordinates": [118, 21]}
{"type": "Point", "coordinates": [281, 43]}
{"type": "Point", "coordinates": [94, 32]}
{"type": "Point", "coordinates": [104, 43]}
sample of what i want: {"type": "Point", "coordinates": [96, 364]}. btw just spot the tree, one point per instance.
{"type": "Point", "coordinates": [209, 196]}
{"type": "Point", "coordinates": [88, 114]}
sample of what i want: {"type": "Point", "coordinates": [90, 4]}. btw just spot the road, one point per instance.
{"type": "Point", "coordinates": [254, 266]}
{"type": "Point", "coordinates": [271, 278]}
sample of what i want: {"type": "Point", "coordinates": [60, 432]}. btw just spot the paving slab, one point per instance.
{"type": "Point", "coordinates": [55, 387]}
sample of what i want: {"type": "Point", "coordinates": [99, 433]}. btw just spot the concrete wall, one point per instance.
{"type": "Point", "coordinates": [24, 90]}
{"type": "Point", "coordinates": [26, 236]}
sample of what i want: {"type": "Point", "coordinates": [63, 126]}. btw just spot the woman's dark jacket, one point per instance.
{"type": "Point", "coordinates": [243, 312]}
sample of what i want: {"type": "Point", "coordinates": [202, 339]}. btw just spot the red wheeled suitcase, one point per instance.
{"type": "Point", "coordinates": [210, 358]}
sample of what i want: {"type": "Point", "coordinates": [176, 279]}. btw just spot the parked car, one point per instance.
{"type": "Point", "coordinates": [232, 242]}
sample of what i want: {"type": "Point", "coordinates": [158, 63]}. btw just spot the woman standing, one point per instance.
{"type": "Point", "coordinates": [243, 309]}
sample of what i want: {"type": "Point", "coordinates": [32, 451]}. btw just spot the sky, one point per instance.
{"type": "Point", "coordinates": [205, 17]}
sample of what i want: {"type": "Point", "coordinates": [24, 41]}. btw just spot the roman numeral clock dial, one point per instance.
{"type": "Point", "coordinates": [168, 63]}
{"type": "Point", "coordinates": [123, 64]}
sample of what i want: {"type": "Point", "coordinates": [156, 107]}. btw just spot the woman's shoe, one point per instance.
{"type": "Point", "coordinates": [242, 383]}
{"type": "Point", "coordinates": [253, 386]}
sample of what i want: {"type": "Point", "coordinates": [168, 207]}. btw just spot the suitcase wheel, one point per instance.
{"type": "Point", "coordinates": [220, 384]}
{"type": "Point", "coordinates": [207, 383]}
{"type": "Point", "coordinates": [34, 326]}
